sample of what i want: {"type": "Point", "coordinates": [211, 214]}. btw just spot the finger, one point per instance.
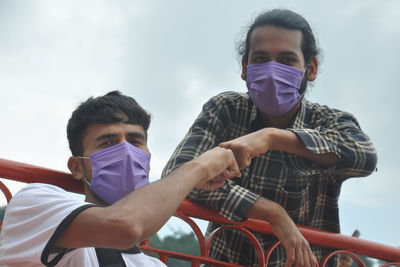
{"type": "Point", "coordinates": [232, 174]}
{"type": "Point", "coordinates": [233, 165]}
{"type": "Point", "coordinates": [311, 257]}
{"type": "Point", "coordinates": [308, 261]}
{"type": "Point", "coordinates": [235, 173]}
{"type": "Point", "coordinates": [248, 160]}
{"type": "Point", "coordinates": [299, 258]}
{"type": "Point", "coordinates": [225, 144]}
{"type": "Point", "coordinates": [226, 174]}
{"type": "Point", "coordinates": [241, 159]}
{"type": "Point", "coordinates": [290, 257]}
{"type": "Point", "coordinates": [315, 260]}
{"type": "Point", "coordinates": [219, 178]}
{"type": "Point", "coordinates": [238, 152]}
{"type": "Point", "coordinates": [213, 185]}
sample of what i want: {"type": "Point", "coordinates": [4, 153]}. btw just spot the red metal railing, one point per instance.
{"type": "Point", "coordinates": [344, 244]}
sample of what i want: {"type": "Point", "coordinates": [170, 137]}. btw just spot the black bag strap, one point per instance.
{"type": "Point", "coordinates": [109, 257]}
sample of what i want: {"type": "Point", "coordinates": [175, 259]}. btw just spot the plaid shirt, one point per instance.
{"type": "Point", "coordinates": [309, 193]}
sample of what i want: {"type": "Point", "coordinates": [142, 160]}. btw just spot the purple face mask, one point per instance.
{"type": "Point", "coordinates": [274, 87]}
{"type": "Point", "coordinates": [118, 170]}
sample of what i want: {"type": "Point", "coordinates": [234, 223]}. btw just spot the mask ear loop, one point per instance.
{"type": "Point", "coordinates": [86, 181]}
{"type": "Point", "coordinates": [305, 73]}
{"type": "Point", "coordinates": [89, 184]}
{"type": "Point", "coordinates": [83, 178]}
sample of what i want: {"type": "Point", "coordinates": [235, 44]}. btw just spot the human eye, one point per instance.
{"type": "Point", "coordinates": [136, 142]}
{"type": "Point", "coordinates": [259, 60]}
{"type": "Point", "coordinates": [290, 61]}
{"type": "Point", "coordinates": [106, 143]}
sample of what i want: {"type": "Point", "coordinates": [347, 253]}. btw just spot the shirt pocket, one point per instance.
{"type": "Point", "coordinates": [296, 203]}
{"type": "Point", "coordinates": [294, 196]}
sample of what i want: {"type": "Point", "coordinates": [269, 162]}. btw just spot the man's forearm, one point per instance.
{"type": "Point", "coordinates": [282, 225]}
{"type": "Point", "coordinates": [141, 213]}
{"type": "Point", "coordinates": [288, 141]}
{"type": "Point", "coordinates": [150, 207]}
{"type": "Point", "coordinates": [265, 209]}
{"type": "Point", "coordinates": [133, 218]}
{"type": "Point", "coordinates": [297, 248]}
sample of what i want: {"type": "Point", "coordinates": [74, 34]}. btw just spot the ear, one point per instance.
{"type": "Point", "coordinates": [75, 167]}
{"type": "Point", "coordinates": [244, 69]}
{"type": "Point", "coordinates": [312, 69]}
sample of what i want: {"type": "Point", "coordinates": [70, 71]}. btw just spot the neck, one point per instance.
{"type": "Point", "coordinates": [280, 122]}
{"type": "Point", "coordinates": [93, 198]}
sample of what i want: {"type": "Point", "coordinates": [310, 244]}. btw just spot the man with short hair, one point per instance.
{"type": "Point", "coordinates": [107, 136]}
{"type": "Point", "coordinates": [294, 155]}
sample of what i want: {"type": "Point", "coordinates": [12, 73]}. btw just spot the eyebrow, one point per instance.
{"type": "Point", "coordinates": [288, 53]}
{"type": "Point", "coordinates": [260, 52]}
{"type": "Point", "coordinates": [136, 135]}
{"type": "Point", "coordinates": [105, 136]}
{"type": "Point", "coordinates": [112, 135]}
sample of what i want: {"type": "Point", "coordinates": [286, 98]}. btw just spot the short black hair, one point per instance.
{"type": "Point", "coordinates": [110, 108]}
{"type": "Point", "coordinates": [286, 19]}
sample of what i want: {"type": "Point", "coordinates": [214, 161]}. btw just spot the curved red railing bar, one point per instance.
{"type": "Point", "coordinates": [352, 255]}
{"type": "Point", "coordinates": [23, 172]}
{"type": "Point", "coordinates": [5, 191]}
{"type": "Point", "coordinates": [269, 251]}
{"type": "Point", "coordinates": [391, 264]}
{"type": "Point", "coordinates": [314, 236]}
{"type": "Point", "coordinates": [197, 232]}
{"type": "Point", "coordinates": [247, 233]}
{"type": "Point", "coordinates": [27, 173]}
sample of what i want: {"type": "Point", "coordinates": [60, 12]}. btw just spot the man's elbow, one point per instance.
{"type": "Point", "coordinates": [125, 233]}
{"type": "Point", "coordinates": [371, 161]}
{"type": "Point", "coordinates": [361, 167]}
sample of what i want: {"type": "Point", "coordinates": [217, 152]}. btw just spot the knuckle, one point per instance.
{"type": "Point", "coordinates": [292, 242]}
{"type": "Point", "coordinates": [314, 260]}
{"type": "Point", "coordinates": [290, 258]}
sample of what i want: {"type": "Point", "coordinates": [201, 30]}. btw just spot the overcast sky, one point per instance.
{"type": "Point", "coordinates": [172, 56]}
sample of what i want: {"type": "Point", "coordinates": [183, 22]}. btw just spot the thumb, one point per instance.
{"type": "Point", "coordinates": [224, 145]}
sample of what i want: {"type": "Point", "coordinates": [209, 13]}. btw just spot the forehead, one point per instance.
{"type": "Point", "coordinates": [273, 39]}
{"type": "Point", "coordinates": [96, 130]}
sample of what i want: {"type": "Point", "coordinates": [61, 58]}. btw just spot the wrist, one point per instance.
{"type": "Point", "coordinates": [196, 170]}
{"type": "Point", "coordinates": [269, 137]}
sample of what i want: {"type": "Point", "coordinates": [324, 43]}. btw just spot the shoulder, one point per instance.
{"type": "Point", "coordinates": [37, 192]}
{"type": "Point", "coordinates": [230, 102]}
{"type": "Point", "coordinates": [230, 98]}
{"type": "Point", "coordinates": [229, 107]}
{"type": "Point", "coordinates": [40, 199]}
{"type": "Point", "coordinates": [31, 219]}
{"type": "Point", "coordinates": [40, 188]}
{"type": "Point", "coordinates": [324, 112]}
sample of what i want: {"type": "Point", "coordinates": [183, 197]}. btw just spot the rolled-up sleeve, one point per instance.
{"type": "Point", "coordinates": [341, 134]}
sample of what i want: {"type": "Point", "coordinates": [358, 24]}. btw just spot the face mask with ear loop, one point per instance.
{"type": "Point", "coordinates": [117, 171]}
{"type": "Point", "coordinates": [274, 87]}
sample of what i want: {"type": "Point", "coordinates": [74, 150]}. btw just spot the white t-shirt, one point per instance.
{"type": "Point", "coordinates": [34, 219]}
